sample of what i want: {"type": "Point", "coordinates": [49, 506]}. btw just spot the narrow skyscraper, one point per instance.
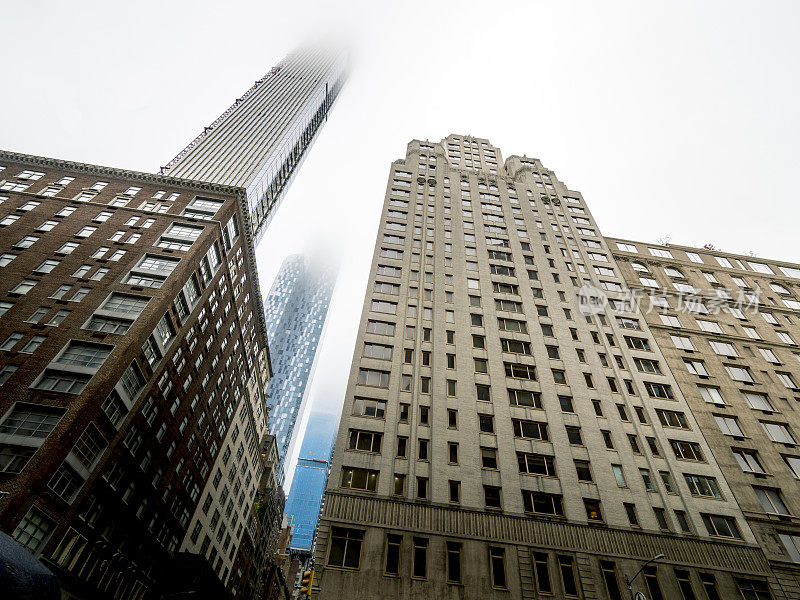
{"type": "Point", "coordinates": [260, 141]}
{"type": "Point", "coordinates": [504, 437]}
{"type": "Point", "coordinates": [296, 310]}
{"type": "Point", "coordinates": [310, 475]}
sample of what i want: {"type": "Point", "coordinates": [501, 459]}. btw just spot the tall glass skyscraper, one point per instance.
{"type": "Point", "coordinates": [295, 308]}
{"type": "Point", "coordinates": [259, 142]}
{"type": "Point", "coordinates": [311, 473]}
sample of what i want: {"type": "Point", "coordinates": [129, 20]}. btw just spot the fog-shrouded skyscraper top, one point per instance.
{"type": "Point", "coordinates": [296, 309]}
{"type": "Point", "coordinates": [259, 142]}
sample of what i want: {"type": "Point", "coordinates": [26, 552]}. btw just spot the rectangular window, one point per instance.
{"type": "Point", "coordinates": [419, 564]}
{"type": "Point", "coordinates": [453, 562]}
{"type": "Point", "coordinates": [373, 378]}
{"type": "Point", "coordinates": [535, 464]}
{"type": "Point", "coordinates": [345, 547]}
{"type": "Point", "coordinates": [778, 432]}
{"type": "Point", "coordinates": [721, 526]}
{"type": "Point", "coordinates": [541, 567]}
{"type": "Point", "coordinates": [34, 529]}
{"type": "Point", "coordinates": [543, 503]}
{"type": "Point", "coordinates": [497, 558]}
{"type": "Point", "coordinates": [569, 577]}
{"type": "Point", "coordinates": [393, 549]}
{"type": "Point", "coordinates": [359, 479]}
{"type": "Point", "coordinates": [771, 500]}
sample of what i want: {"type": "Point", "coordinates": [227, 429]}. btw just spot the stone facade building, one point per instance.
{"type": "Point", "coordinates": [133, 365]}
{"type": "Point", "coordinates": [503, 433]}
{"type": "Point", "coordinates": [729, 328]}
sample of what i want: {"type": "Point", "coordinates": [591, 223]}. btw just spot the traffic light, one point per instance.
{"type": "Point", "coordinates": [306, 581]}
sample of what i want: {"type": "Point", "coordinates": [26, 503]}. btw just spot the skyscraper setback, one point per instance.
{"type": "Point", "coordinates": [296, 310]}
{"type": "Point", "coordinates": [260, 141]}
{"type": "Point", "coordinates": [502, 434]}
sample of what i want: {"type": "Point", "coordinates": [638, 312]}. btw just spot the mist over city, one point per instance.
{"type": "Point", "coordinates": [417, 300]}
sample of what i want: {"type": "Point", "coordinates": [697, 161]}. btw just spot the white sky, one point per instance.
{"type": "Point", "coordinates": [662, 114]}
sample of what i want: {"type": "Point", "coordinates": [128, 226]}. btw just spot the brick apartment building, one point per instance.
{"type": "Point", "coordinates": [133, 364]}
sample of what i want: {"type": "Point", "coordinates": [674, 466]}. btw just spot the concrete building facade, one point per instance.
{"type": "Point", "coordinates": [729, 327]}
{"type": "Point", "coordinates": [504, 435]}
{"type": "Point", "coordinates": [133, 369]}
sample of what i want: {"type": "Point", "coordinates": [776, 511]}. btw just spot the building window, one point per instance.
{"type": "Point", "coordinates": [687, 450]}
{"type": "Point", "coordinates": [32, 344]}
{"type": "Point", "coordinates": [365, 441]}
{"type": "Point", "coordinates": [543, 503]}
{"type": "Point", "coordinates": [651, 579]}
{"type": "Point", "coordinates": [492, 497]}
{"type": "Point", "coordinates": [66, 483]}
{"type": "Point", "coordinates": [345, 550]}
{"type": "Point", "coordinates": [62, 381]}
{"type": "Point", "coordinates": [84, 354]}
{"type": "Point", "coordinates": [181, 237]}
{"type": "Point", "coordinates": [373, 378]}
{"type": "Point", "coordinates": [703, 486]}
{"type": "Point", "coordinates": [11, 341]}
{"type": "Point", "coordinates": [748, 461]}
{"type": "Point", "coordinates": [393, 548]}
{"type": "Point", "coordinates": [23, 287]}
{"type": "Point", "coordinates": [630, 511]}
{"type": "Point", "coordinates": [455, 491]}
{"type": "Point", "coordinates": [593, 512]}
{"type": "Point", "coordinates": [34, 529]}
{"type": "Point", "coordinates": [721, 526]}
{"type": "Point", "coordinates": [399, 484]}
{"type": "Point", "coordinates": [89, 447]}
{"type": "Point", "coordinates": [132, 381]}
{"type": "Point", "coordinates": [497, 560]}
{"type": "Point", "coordinates": [6, 372]}
{"type": "Point", "coordinates": [535, 464]}
{"type": "Point", "coordinates": [453, 562]}
{"type": "Point", "coordinates": [778, 432]}
{"type": "Point", "coordinates": [114, 408]}
{"type": "Point", "coordinates": [609, 571]}
{"type": "Point", "coordinates": [541, 567]}
{"type": "Point", "coordinates": [368, 407]}
{"type": "Point", "coordinates": [108, 325]}
{"type": "Point", "coordinates": [569, 577]}
{"type": "Point", "coordinates": [771, 500]}
{"type": "Point", "coordinates": [419, 567]}
{"type": "Point", "coordinates": [752, 589]}
{"type": "Point", "coordinates": [792, 544]}
{"type": "Point", "coordinates": [125, 303]}
{"type": "Point", "coordinates": [359, 479]}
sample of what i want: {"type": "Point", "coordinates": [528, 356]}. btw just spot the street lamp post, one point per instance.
{"type": "Point", "coordinates": [629, 582]}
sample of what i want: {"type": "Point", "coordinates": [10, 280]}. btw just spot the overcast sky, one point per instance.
{"type": "Point", "coordinates": [676, 118]}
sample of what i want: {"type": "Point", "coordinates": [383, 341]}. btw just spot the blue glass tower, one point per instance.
{"type": "Point", "coordinates": [305, 498]}
{"type": "Point", "coordinates": [296, 308]}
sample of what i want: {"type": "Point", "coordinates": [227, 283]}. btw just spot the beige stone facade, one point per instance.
{"type": "Point", "coordinates": [739, 370]}
{"type": "Point", "coordinates": [500, 438]}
